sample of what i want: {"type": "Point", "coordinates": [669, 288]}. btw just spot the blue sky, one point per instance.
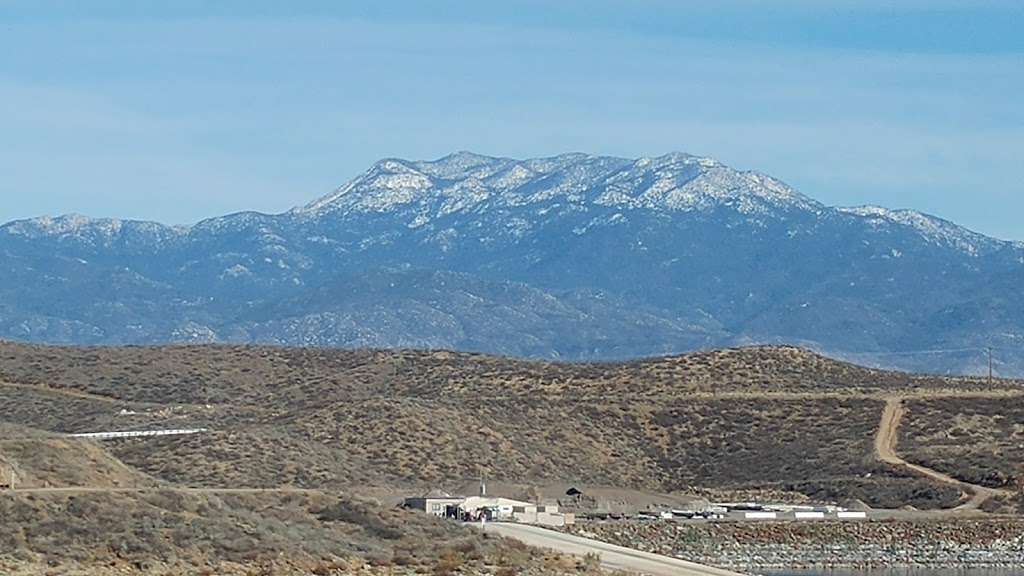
{"type": "Point", "coordinates": [176, 111]}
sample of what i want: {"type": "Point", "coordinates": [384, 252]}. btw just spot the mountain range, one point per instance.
{"type": "Point", "coordinates": [573, 257]}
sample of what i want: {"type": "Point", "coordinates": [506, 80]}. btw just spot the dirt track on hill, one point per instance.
{"type": "Point", "coordinates": [885, 448]}
{"type": "Point", "coordinates": [79, 395]}
{"type": "Point", "coordinates": [115, 490]}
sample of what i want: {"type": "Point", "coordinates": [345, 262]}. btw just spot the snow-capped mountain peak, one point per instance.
{"type": "Point", "coordinates": [387, 183]}
{"type": "Point", "coordinates": [529, 191]}
{"type": "Point", "coordinates": [674, 182]}
{"type": "Point", "coordinates": [683, 182]}
{"type": "Point", "coordinates": [461, 165]}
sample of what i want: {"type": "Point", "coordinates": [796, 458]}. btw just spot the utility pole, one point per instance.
{"type": "Point", "coordinates": [990, 366]}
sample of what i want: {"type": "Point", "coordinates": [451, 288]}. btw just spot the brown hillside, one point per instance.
{"type": "Point", "coordinates": [174, 532]}
{"type": "Point", "coordinates": [43, 460]}
{"type": "Point", "coordinates": [763, 417]}
{"type": "Point", "coordinates": [979, 440]}
{"type": "Point", "coordinates": [313, 425]}
{"type": "Point", "coordinates": [780, 418]}
{"type": "Point", "coordinates": [240, 375]}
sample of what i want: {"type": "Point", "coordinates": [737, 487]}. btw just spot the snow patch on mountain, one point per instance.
{"type": "Point", "coordinates": [455, 196]}
{"type": "Point", "coordinates": [462, 165]}
{"type": "Point", "coordinates": [91, 230]}
{"type": "Point", "coordinates": [67, 225]}
{"type": "Point", "coordinates": [465, 181]}
{"type": "Point", "coordinates": [685, 183]}
{"type": "Point", "coordinates": [932, 229]}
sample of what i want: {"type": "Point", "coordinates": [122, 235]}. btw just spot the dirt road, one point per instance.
{"type": "Point", "coordinates": [612, 557]}
{"type": "Point", "coordinates": [141, 490]}
{"type": "Point", "coordinates": [885, 447]}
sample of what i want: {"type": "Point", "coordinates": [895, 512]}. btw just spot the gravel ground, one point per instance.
{"type": "Point", "coordinates": [752, 547]}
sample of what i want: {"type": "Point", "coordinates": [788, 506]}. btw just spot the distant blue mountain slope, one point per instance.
{"type": "Point", "coordinates": [574, 257]}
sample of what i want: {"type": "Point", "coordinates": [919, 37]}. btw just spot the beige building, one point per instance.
{"type": "Point", "coordinates": [436, 503]}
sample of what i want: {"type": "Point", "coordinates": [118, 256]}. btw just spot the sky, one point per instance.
{"type": "Point", "coordinates": [178, 111]}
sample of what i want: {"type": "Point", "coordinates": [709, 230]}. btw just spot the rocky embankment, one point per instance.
{"type": "Point", "coordinates": [550, 564]}
{"type": "Point", "coordinates": [753, 547]}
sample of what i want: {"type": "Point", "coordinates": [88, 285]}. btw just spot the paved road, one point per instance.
{"type": "Point", "coordinates": [612, 557]}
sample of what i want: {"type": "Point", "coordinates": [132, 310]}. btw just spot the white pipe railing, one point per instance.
{"type": "Point", "coordinates": [137, 434]}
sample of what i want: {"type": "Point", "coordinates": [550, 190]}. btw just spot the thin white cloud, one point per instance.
{"type": "Point", "coordinates": [198, 118]}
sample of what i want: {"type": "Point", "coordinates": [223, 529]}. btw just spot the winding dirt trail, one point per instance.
{"type": "Point", "coordinates": [885, 448]}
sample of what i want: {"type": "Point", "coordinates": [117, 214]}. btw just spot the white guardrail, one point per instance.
{"type": "Point", "coordinates": [809, 515]}
{"type": "Point", "coordinates": [137, 434]}
{"type": "Point", "coordinates": [852, 515]}
{"type": "Point", "coordinates": [803, 515]}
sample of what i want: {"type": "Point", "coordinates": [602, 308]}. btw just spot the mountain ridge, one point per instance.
{"type": "Point", "coordinates": [75, 222]}
{"type": "Point", "coordinates": [536, 257]}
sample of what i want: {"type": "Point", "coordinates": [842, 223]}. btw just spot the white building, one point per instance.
{"type": "Point", "coordinates": [490, 508]}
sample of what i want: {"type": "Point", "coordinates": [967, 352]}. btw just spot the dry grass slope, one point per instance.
{"type": "Point", "coordinates": [769, 417]}
{"type": "Point", "coordinates": [173, 532]}
{"type": "Point", "coordinates": [978, 440]}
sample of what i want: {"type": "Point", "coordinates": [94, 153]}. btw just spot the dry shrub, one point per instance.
{"type": "Point", "coordinates": [449, 562]}
{"type": "Point", "coordinates": [403, 558]}
{"type": "Point", "coordinates": [326, 568]}
{"type": "Point", "coordinates": [560, 563]}
{"type": "Point", "coordinates": [361, 515]}
{"type": "Point", "coordinates": [592, 563]}
{"type": "Point", "coordinates": [469, 549]}
{"type": "Point", "coordinates": [378, 560]}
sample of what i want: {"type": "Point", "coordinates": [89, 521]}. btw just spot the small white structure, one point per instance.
{"type": "Point", "coordinates": [506, 509]}
{"type": "Point", "coordinates": [495, 508]}
{"type": "Point", "coordinates": [809, 515]}
{"type": "Point", "coordinates": [491, 508]}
